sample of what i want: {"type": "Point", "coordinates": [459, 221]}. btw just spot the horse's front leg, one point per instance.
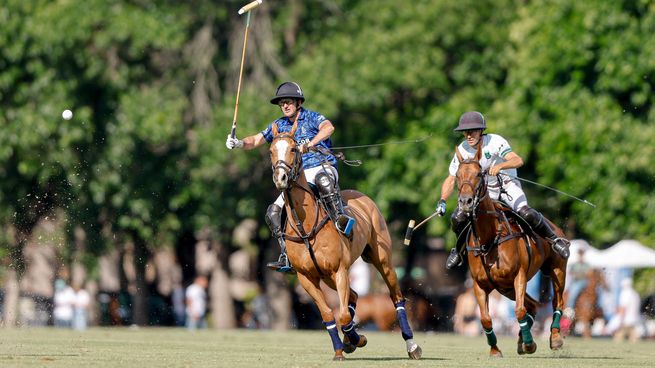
{"type": "Point", "coordinates": [485, 319]}
{"type": "Point", "coordinates": [312, 287]}
{"type": "Point", "coordinates": [526, 343]}
{"type": "Point", "coordinates": [351, 340]}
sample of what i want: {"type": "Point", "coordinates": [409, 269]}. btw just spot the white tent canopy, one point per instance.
{"type": "Point", "coordinates": [626, 253]}
{"type": "Point", "coordinates": [590, 254]}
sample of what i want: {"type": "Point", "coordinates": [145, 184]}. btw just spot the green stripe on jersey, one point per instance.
{"type": "Point", "coordinates": [502, 154]}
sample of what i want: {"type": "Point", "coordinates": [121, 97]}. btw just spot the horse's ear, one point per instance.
{"type": "Point", "coordinates": [478, 154]}
{"type": "Point", "coordinates": [459, 155]}
{"type": "Point", "coordinates": [274, 129]}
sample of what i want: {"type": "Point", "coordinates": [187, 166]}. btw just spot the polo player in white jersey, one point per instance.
{"type": "Point", "coordinates": [497, 158]}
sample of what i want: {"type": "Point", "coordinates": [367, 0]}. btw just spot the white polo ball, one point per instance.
{"type": "Point", "coordinates": [67, 114]}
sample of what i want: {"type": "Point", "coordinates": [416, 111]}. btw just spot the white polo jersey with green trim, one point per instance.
{"type": "Point", "coordinates": [494, 149]}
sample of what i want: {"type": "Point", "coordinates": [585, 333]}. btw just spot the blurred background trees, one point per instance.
{"type": "Point", "coordinates": [142, 165]}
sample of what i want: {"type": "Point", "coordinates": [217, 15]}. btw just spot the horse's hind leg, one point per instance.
{"type": "Point", "coordinates": [485, 319]}
{"type": "Point", "coordinates": [558, 278]}
{"type": "Point", "coordinates": [381, 259]}
{"type": "Point", "coordinates": [313, 289]}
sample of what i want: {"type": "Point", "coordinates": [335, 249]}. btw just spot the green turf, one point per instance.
{"type": "Point", "coordinates": [160, 347]}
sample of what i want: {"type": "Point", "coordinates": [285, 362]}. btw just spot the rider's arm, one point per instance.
{"type": "Point", "coordinates": [447, 187]}
{"type": "Point", "coordinates": [325, 130]}
{"type": "Point", "coordinates": [512, 161]}
{"type": "Point", "coordinates": [253, 141]}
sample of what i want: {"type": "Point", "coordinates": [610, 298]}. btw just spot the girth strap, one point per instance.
{"type": "Point", "coordinates": [304, 236]}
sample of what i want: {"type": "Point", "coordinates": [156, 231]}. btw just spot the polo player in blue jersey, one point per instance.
{"type": "Point", "coordinates": [314, 130]}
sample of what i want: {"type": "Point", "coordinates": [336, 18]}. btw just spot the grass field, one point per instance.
{"type": "Point", "coordinates": [162, 347]}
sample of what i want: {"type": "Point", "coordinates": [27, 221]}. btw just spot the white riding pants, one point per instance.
{"type": "Point", "coordinates": [514, 196]}
{"type": "Point", "coordinates": [310, 175]}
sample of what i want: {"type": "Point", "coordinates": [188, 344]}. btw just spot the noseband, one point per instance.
{"type": "Point", "coordinates": [479, 189]}
{"type": "Point", "coordinates": [291, 170]}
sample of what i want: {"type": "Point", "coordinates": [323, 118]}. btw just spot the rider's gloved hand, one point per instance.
{"type": "Point", "coordinates": [441, 207]}
{"type": "Point", "coordinates": [305, 147]}
{"type": "Point", "coordinates": [233, 142]}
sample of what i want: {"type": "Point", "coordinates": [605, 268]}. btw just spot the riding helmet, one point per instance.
{"type": "Point", "coordinates": [288, 90]}
{"type": "Point", "coordinates": [471, 120]}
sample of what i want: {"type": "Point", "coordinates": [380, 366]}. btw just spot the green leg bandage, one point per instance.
{"type": "Point", "coordinates": [491, 337]}
{"type": "Point", "coordinates": [557, 315]}
{"type": "Point", "coordinates": [525, 325]}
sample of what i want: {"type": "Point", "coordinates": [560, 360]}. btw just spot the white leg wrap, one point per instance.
{"type": "Point", "coordinates": [411, 345]}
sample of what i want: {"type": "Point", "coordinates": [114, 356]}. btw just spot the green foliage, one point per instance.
{"type": "Point", "coordinates": [568, 83]}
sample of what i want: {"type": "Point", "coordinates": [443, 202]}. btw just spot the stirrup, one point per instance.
{"type": "Point", "coordinates": [281, 265]}
{"type": "Point", "coordinates": [346, 228]}
{"type": "Point", "coordinates": [454, 259]}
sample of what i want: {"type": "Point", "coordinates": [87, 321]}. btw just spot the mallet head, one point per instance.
{"type": "Point", "coordinates": [410, 231]}
{"type": "Point", "coordinates": [250, 6]}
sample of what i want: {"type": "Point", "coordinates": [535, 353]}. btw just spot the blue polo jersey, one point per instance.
{"type": "Point", "coordinates": [308, 123]}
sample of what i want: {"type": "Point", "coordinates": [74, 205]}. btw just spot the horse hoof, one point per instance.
{"type": "Point", "coordinates": [519, 348]}
{"type": "Point", "coordinates": [556, 341]}
{"type": "Point", "coordinates": [495, 352]}
{"type": "Point", "coordinates": [530, 348]}
{"type": "Point", "coordinates": [416, 353]}
{"type": "Point", "coordinates": [339, 358]}
{"type": "Point", "coordinates": [349, 348]}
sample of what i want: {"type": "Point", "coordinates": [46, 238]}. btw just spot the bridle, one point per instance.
{"type": "Point", "coordinates": [292, 170]}
{"type": "Point", "coordinates": [480, 189]}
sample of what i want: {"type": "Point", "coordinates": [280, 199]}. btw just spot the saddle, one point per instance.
{"type": "Point", "coordinates": [510, 225]}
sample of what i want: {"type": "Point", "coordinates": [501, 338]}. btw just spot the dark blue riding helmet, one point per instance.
{"type": "Point", "coordinates": [288, 90]}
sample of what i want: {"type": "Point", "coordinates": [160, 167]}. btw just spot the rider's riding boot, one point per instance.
{"type": "Point", "coordinates": [543, 229]}
{"type": "Point", "coordinates": [273, 219]}
{"type": "Point", "coordinates": [458, 223]}
{"type": "Point", "coordinates": [331, 196]}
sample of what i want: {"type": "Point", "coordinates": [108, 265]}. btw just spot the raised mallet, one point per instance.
{"type": "Point", "coordinates": [245, 9]}
{"type": "Point", "coordinates": [411, 228]}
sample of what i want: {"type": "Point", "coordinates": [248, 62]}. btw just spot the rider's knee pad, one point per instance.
{"type": "Point", "coordinates": [325, 183]}
{"type": "Point", "coordinates": [458, 221]}
{"type": "Point", "coordinates": [532, 216]}
{"type": "Point", "coordinates": [274, 216]}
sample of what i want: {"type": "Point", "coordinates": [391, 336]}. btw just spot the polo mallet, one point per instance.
{"type": "Point", "coordinates": [246, 9]}
{"type": "Point", "coordinates": [411, 228]}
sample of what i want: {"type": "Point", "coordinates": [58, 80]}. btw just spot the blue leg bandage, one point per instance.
{"type": "Point", "coordinates": [401, 315]}
{"type": "Point", "coordinates": [334, 335]}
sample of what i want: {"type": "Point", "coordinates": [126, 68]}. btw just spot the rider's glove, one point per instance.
{"type": "Point", "coordinates": [233, 142]}
{"type": "Point", "coordinates": [441, 207]}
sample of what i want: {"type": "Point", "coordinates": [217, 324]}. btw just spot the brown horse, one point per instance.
{"type": "Point", "coordinates": [319, 252]}
{"type": "Point", "coordinates": [503, 254]}
{"type": "Point", "coordinates": [586, 306]}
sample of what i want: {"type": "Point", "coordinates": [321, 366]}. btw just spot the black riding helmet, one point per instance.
{"type": "Point", "coordinates": [471, 120]}
{"type": "Point", "coordinates": [288, 90]}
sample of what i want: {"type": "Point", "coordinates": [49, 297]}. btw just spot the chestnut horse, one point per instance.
{"type": "Point", "coordinates": [587, 309]}
{"type": "Point", "coordinates": [319, 252]}
{"type": "Point", "coordinates": [503, 254]}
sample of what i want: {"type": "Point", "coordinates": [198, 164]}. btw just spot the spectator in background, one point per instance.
{"type": "Point", "coordinates": [64, 300]}
{"type": "Point", "coordinates": [196, 303]}
{"type": "Point", "coordinates": [179, 308]}
{"type": "Point", "coordinates": [466, 321]}
{"type": "Point", "coordinates": [360, 277]}
{"type": "Point", "coordinates": [81, 308]}
{"type": "Point", "coordinates": [628, 313]}
{"type": "Point", "coordinates": [578, 282]}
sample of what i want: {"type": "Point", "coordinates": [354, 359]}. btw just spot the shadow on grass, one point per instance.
{"type": "Point", "coordinates": [384, 359]}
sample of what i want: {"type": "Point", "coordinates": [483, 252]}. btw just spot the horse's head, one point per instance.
{"type": "Point", "coordinates": [285, 158]}
{"type": "Point", "coordinates": [470, 182]}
